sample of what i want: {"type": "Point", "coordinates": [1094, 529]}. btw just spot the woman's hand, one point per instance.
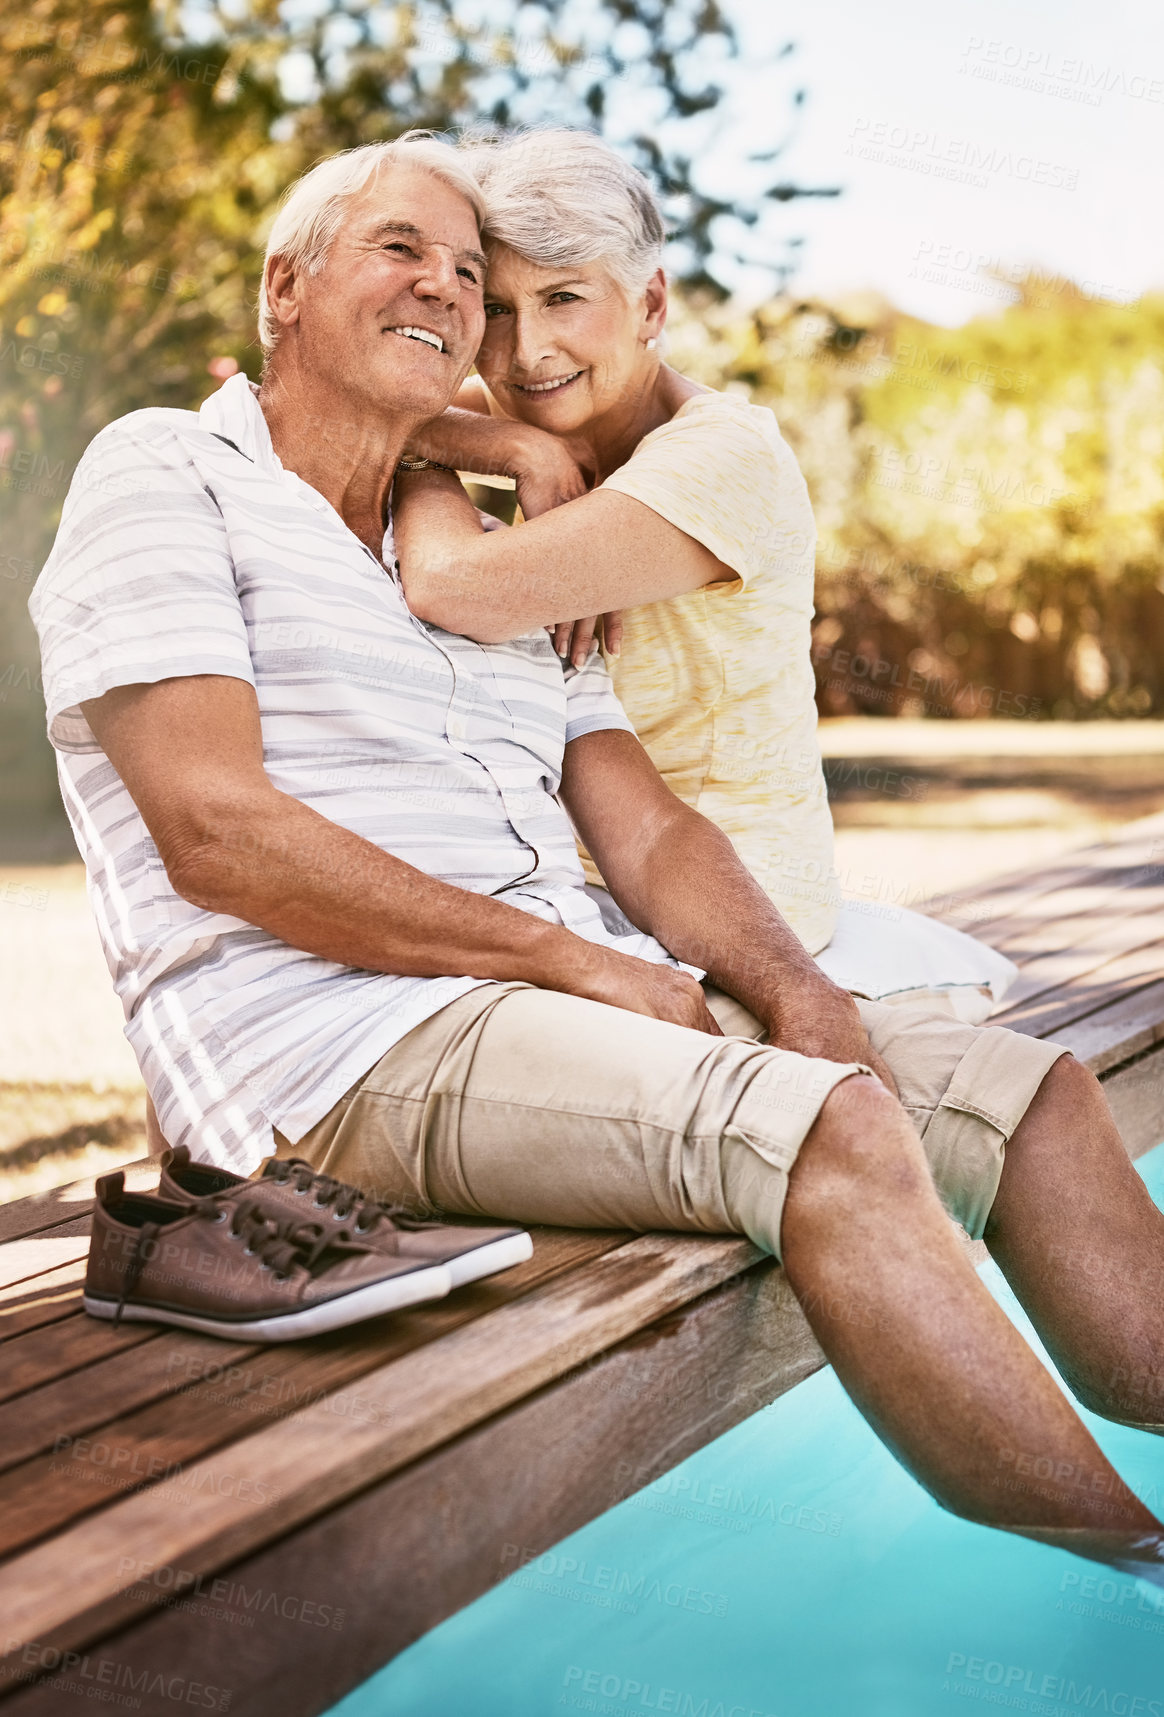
{"type": "Point", "coordinates": [547, 475]}
{"type": "Point", "coordinates": [551, 477]}
{"type": "Point", "coordinates": [543, 468]}
{"type": "Point", "coordinates": [573, 638]}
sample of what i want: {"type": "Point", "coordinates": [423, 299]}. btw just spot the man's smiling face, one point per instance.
{"type": "Point", "coordinates": [396, 314]}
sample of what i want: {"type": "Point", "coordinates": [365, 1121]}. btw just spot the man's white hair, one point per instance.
{"type": "Point", "coordinates": [559, 197]}
{"type": "Point", "coordinates": [312, 210]}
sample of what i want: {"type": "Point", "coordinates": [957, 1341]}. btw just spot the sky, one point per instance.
{"type": "Point", "coordinates": [999, 134]}
{"type": "Point", "coordinates": [966, 136]}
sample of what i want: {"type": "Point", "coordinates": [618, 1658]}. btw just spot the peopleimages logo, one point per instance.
{"type": "Point", "coordinates": [958, 158]}
{"type": "Point", "coordinates": [625, 1694]}
{"type": "Point", "coordinates": [606, 1586]}
{"type": "Point", "coordinates": [1048, 72]}
{"type": "Point", "coordinates": [1016, 1678]}
{"type": "Point", "coordinates": [101, 1679]}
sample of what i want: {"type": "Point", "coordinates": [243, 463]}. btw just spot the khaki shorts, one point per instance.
{"type": "Point", "coordinates": [539, 1107]}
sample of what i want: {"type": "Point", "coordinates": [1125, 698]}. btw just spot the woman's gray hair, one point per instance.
{"type": "Point", "coordinates": [312, 210]}
{"type": "Point", "coordinates": [559, 197]}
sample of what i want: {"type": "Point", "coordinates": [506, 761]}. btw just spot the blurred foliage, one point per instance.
{"type": "Point", "coordinates": [990, 498]}
{"type": "Point", "coordinates": [144, 148]}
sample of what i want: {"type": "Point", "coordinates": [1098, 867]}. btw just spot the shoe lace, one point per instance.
{"type": "Point", "coordinates": [286, 1243]}
{"type": "Point", "coordinates": [147, 1233]}
{"type": "Point", "coordinates": [343, 1199]}
{"type": "Point", "coordinates": [281, 1246]}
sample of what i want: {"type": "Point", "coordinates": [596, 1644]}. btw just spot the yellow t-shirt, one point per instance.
{"type": "Point", "coordinates": [718, 683]}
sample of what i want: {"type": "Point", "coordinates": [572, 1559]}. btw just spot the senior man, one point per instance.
{"type": "Point", "coordinates": [331, 855]}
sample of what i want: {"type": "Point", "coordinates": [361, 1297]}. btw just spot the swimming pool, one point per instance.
{"type": "Point", "coordinates": [792, 1569]}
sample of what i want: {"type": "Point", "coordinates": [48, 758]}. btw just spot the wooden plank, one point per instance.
{"type": "Point", "coordinates": [52, 1295]}
{"type": "Point", "coordinates": [20, 1260]}
{"type": "Point", "coordinates": [407, 1407]}
{"type": "Point", "coordinates": [182, 1395]}
{"type": "Point", "coordinates": [1087, 914]}
{"type": "Point", "coordinates": [1114, 981]}
{"type": "Point", "coordinates": [1114, 1034]}
{"type": "Point", "coordinates": [459, 1520]}
{"type": "Point", "coordinates": [1019, 892]}
{"type": "Point", "coordinates": [465, 1517]}
{"type": "Point", "coordinates": [1136, 1095]}
{"type": "Point", "coordinates": [55, 1352]}
{"type": "Point", "coordinates": [1091, 893]}
{"type": "Point", "coordinates": [118, 1389]}
{"type": "Point", "coordinates": [64, 1204]}
{"type": "Point", "coordinates": [1060, 969]}
{"type": "Point", "coordinates": [1138, 849]}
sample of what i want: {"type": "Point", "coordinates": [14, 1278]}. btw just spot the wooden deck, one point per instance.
{"type": "Point", "coordinates": [257, 1529]}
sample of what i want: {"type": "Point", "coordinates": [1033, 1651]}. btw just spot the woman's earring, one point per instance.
{"type": "Point", "coordinates": [651, 344]}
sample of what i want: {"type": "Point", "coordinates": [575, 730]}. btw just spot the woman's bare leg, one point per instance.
{"type": "Point", "coordinates": [928, 1356]}
{"type": "Point", "coordinates": [1082, 1244]}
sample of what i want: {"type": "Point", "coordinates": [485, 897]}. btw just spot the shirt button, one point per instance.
{"type": "Point", "coordinates": [456, 727]}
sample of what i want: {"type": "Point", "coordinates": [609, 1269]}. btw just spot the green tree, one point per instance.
{"type": "Point", "coordinates": [145, 147]}
{"type": "Point", "coordinates": [990, 498]}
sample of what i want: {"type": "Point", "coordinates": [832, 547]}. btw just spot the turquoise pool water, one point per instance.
{"type": "Point", "coordinates": [792, 1569]}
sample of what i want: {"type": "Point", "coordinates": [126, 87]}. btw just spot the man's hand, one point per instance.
{"type": "Point", "coordinates": [822, 1020]}
{"type": "Point", "coordinates": [190, 752]}
{"type": "Point", "coordinates": [641, 987]}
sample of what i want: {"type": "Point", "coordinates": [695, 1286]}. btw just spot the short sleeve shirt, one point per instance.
{"type": "Point", "coordinates": [719, 683]}
{"type": "Point", "coordinates": [185, 547]}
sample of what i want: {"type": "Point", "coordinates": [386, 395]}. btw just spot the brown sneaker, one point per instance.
{"type": "Point", "coordinates": [289, 1186]}
{"type": "Point", "coordinates": [227, 1266]}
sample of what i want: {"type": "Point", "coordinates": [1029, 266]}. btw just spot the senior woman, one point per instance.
{"type": "Point", "coordinates": [646, 493]}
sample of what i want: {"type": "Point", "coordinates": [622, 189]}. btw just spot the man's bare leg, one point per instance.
{"type": "Point", "coordinates": [928, 1356]}
{"type": "Point", "coordinates": [1082, 1244]}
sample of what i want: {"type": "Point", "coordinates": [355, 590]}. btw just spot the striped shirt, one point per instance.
{"type": "Point", "coordinates": [185, 547]}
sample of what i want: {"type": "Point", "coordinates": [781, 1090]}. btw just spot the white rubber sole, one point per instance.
{"type": "Point", "coordinates": [373, 1301]}
{"type": "Point", "coordinates": [487, 1260]}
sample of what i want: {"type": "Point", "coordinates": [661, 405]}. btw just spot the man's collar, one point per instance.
{"type": "Point", "coordinates": [235, 415]}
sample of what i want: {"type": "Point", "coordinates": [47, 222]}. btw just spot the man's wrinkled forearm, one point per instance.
{"type": "Point", "coordinates": [688, 887]}
{"type": "Point", "coordinates": [717, 916]}
{"type": "Point", "coordinates": [281, 866]}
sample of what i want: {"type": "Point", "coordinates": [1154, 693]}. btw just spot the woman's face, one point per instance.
{"type": "Point", "coordinates": [563, 346]}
